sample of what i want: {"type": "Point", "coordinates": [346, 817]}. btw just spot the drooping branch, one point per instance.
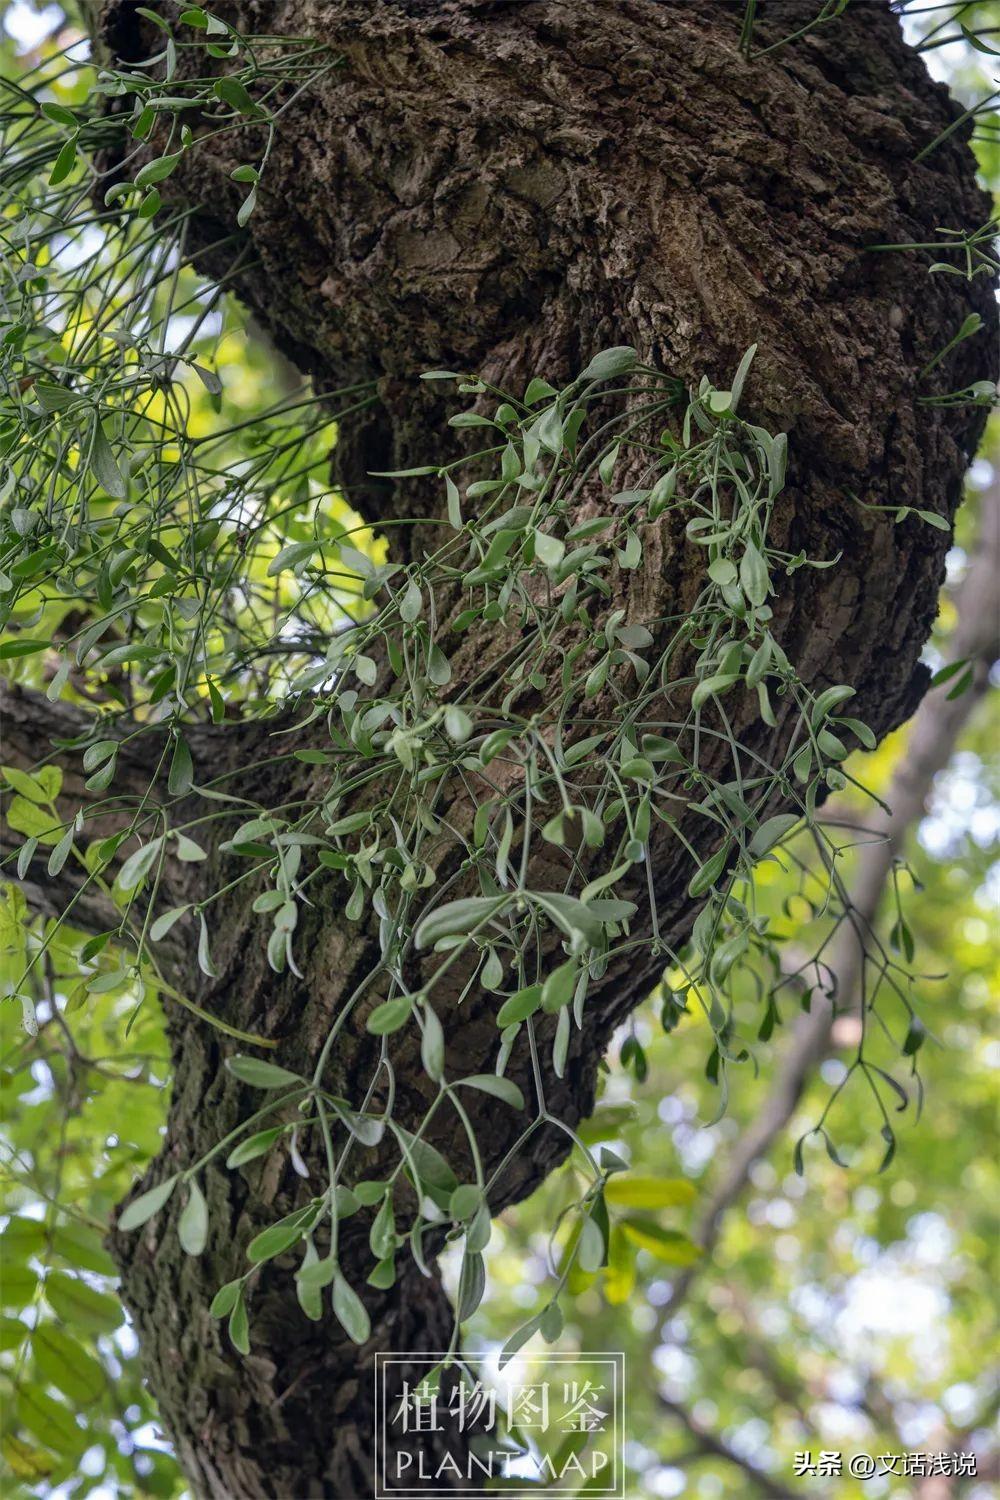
{"type": "Point", "coordinates": [973, 649]}
{"type": "Point", "coordinates": [833, 1020]}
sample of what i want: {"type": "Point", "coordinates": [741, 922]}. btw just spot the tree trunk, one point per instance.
{"type": "Point", "coordinates": [507, 188]}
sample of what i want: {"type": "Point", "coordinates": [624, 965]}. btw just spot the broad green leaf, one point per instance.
{"type": "Point", "coordinates": [60, 854]}
{"type": "Point", "coordinates": [318, 1273]}
{"type": "Point", "coordinates": [382, 1236]}
{"type": "Point", "coordinates": [27, 1463]}
{"type": "Point", "coordinates": [225, 1299]}
{"type": "Point", "coordinates": [79, 1305]}
{"type": "Point", "coordinates": [501, 1088]}
{"type": "Point", "coordinates": [21, 646]}
{"type": "Point", "coordinates": [181, 768]}
{"type": "Point", "coordinates": [436, 1177]}
{"type": "Point", "coordinates": [261, 1074]}
{"type": "Point", "coordinates": [64, 162]}
{"type": "Point", "coordinates": [590, 1246]}
{"type": "Point", "coordinates": [457, 917]}
{"type": "Point", "coordinates": [105, 465]}
{"type": "Point", "coordinates": [610, 362]}
{"type": "Point", "coordinates": [740, 377]}
{"type": "Point", "coordinates": [138, 864]}
{"type": "Point", "coordinates": [384, 1274]}
{"type": "Point", "coordinates": [20, 1240]}
{"type": "Point", "coordinates": [558, 988]}
{"type": "Point", "coordinates": [519, 1338]}
{"type": "Point", "coordinates": [232, 92]}
{"type": "Point", "coordinates": [12, 1333]}
{"type": "Point", "coordinates": [668, 1245]}
{"type": "Point", "coordinates": [636, 1191]}
{"type": "Point", "coordinates": [147, 1204]}
{"type": "Point", "coordinates": [722, 571]}
{"type": "Point", "coordinates": [254, 1146]}
{"type": "Point", "coordinates": [771, 832]}
{"type": "Point", "coordinates": [192, 1226]}
{"type": "Point", "coordinates": [82, 1247]}
{"type": "Point", "coordinates": [519, 1006]}
{"type": "Point", "coordinates": [26, 785]}
{"type": "Point", "coordinates": [465, 1201]}
{"type": "Point", "coordinates": [309, 1293]}
{"type": "Point", "coordinates": [350, 1310]}
{"type": "Point", "coordinates": [472, 1285]}
{"type": "Point", "coordinates": [67, 1365]}
{"type": "Point", "coordinates": [709, 872]}
{"type": "Point", "coordinates": [390, 1015]}
{"type": "Point", "coordinates": [17, 1285]}
{"type": "Point", "coordinates": [28, 818]}
{"type": "Point", "coordinates": [572, 916]}
{"type": "Point", "coordinates": [619, 1276]}
{"type": "Point", "coordinates": [239, 1325]}
{"type": "Point", "coordinates": [276, 1238]}
{"type": "Point", "coordinates": [157, 170]}
{"type": "Point", "coordinates": [166, 921]}
{"type": "Point", "coordinates": [753, 575]}
{"type": "Point", "coordinates": [60, 114]}
{"type": "Point", "coordinates": [432, 1045]}
{"type": "Point", "coordinates": [827, 701]}
{"type": "Point", "coordinates": [50, 1421]}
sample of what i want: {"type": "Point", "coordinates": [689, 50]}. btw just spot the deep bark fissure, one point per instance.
{"type": "Point", "coordinates": [508, 188]}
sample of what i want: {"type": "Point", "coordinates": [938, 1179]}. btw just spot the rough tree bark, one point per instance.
{"type": "Point", "coordinates": [507, 188]}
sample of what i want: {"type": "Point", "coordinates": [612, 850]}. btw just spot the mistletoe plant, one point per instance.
{"type": "Point", "coordinates": [166, 565]}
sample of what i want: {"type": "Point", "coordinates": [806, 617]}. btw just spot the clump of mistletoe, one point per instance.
{"type": "Point", "coordinates": [176, 538]}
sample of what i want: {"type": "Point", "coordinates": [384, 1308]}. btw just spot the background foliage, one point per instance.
{"type": "Point", "coordinates": [839, 1309]}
